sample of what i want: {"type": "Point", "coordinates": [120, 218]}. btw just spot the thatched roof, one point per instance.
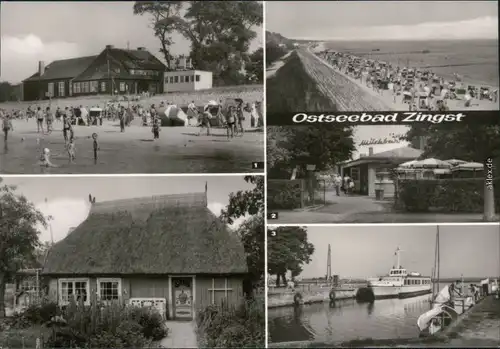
{"type": "Point", "coordinates": [174, 234]}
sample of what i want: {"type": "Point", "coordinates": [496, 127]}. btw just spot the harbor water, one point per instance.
{"type": "Point", "coordinates": [348, 320]}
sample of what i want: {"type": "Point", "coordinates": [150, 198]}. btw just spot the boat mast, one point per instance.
{"type": "Point", "coordinates": [435, 270]}
{"type": "Point", "coordinates": [398, 265]}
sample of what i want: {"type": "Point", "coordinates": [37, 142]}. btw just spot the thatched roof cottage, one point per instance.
{"type": "Point", "coordinates": [165, 250]}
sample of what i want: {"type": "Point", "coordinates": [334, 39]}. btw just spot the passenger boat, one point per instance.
{"type": "Point", "coordinates": [400, 283]}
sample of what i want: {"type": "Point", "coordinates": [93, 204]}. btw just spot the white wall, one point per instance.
{"type": "Point", "coordinates": [204, 83]}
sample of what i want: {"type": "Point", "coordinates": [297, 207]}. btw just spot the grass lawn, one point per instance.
{"type": "Point", "coordinates": [22, 338]}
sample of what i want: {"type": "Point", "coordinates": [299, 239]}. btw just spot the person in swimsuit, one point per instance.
{"type": "Point", "coordinates": [39, 120]}
{"type": "Point", "coordinates": [95, 146]}
{"type": "Point", "coordinates": [156, 129]}
{"type": "Point", "coordinates": [231, 120]}
{"type": "Point", "coordinates": [49, 118]}
{"type": "Point", "coordinates": [205, 120]}
{"type": "Point", "coordinates": [71, 151]}
{"type": "Point", "coordinates": [44, 159]}
{"type": "Point", "coordinates": [6, 126]}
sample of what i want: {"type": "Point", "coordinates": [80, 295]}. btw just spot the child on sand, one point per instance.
{"type": "Point", "coordinates": [71, 151]}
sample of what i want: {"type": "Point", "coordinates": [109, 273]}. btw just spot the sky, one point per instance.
{"type": "Point", "coordinates": [368, 251]}
{"type": "Point", "coordinates": [67, 197]}
{"type": "Point", "coordinates": [383, 20]}
{"type": "Point", "coordinates": [61, 30]}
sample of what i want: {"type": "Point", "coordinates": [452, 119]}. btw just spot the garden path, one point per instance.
{"type": "Point", "coordinates": [181, 334]}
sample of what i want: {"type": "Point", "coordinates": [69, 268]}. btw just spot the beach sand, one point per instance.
{"type": "Point", "coordinates": [387, 98]}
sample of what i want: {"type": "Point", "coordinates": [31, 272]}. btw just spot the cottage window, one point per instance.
{"type": "Point", "coordinates": [182, 79]}
{"type": "Point", "coordinates": [219, 290]}
{"type": "Point", "coordinates": [60, 88]}
{"type": "Point", "coordinates": [192, 78]}
{"type": "Point", "coordinates": [171, 79]}
{"type": "Point", "coordinates": [86, 87]}
{"type": "Point", "coordinates": [103, 86]}
{"type": "Point", "coordinates": [197, 78]}
{"type": "Point", "coordinates": [176, 79]}
{"type": "Point", "coordinates": [109, 289]}
{"type": "Point", "coordinates": [74, 289]}
{"type": "Point", "coordinates": [122, 87]}
{"type": "Point", "coordinates": [51, 89]}
{"type": "Point", "coordinates": [93, 86]}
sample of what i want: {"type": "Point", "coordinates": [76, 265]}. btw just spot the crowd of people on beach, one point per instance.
{"type": "Point", "coordinates": [420, 89]}
{"type": "Point", "coordinates": [227, 114]}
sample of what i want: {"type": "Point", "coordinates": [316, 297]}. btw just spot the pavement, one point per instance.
{"type": "Point", "coordinates": [181, 334]}
{"type": "Point", "coordinates": [179, 150]}
{"type": "Point", "coordinates": [364, 209]}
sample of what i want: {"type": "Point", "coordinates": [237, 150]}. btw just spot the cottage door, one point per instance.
{"type": "Point", "coordinates": [183, 298]}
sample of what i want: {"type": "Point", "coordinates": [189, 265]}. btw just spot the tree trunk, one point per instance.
{"type": "Point", "coordinates": [489, 202]}
{"type": "Point", "coordinates": [283, 276]}
{"type": "Point", "coordinates": [2, 295]}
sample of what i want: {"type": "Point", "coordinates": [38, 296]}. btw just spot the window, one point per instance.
{"type": "Point", "coordinates": [132, 72]}
{"type": "Point", "coordinates": [109, 289]}
{"type": "Point", "coordinates": [197, 78]}
{"type": "Point", "coordinates": [171, 79]}
{"type": "Point", "coordinates": [86, 87]}
{"type": "Point", "coordinates": [103, 86]}
{"type": "Point", "coordinates": [74, 289]}
{"type": "Point", "coordinates": [355, 174]}
{"type": "Point", "coordinates": [382, 174]}
{"type": "Point", "coordinates": [60, 88]}
{"type": "Point", "coordinates": [122, 87]}
{"type": "Point", "coordinates": [220, 290]}
{"type": "Point", "coordinates": [176, 79]}
{"type": "Point", "coordinates": [192, 78]}
{"type": "Point", "coordinates": [94, 86]}
{"type": "Point", "coordinates": [50, 89]}
{"type": "Point", "coordinates": [182, 79]}
{"type": "Point", "coordinates": [76, 87]}
{"type": "Point", "coordinates": [166, 79]}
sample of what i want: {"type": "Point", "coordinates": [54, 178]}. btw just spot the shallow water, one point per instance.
{"type": "Point", "coordinates": [348, 320]}
{"type": "Point", "coordinates": [177, 151]}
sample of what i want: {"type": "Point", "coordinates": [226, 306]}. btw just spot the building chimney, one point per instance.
{"type": "Point", "coordinates": [141, 49]}
{"type": "Point", "coordinates": [370, 151]}
{"type": "Point", "coordinates": [189, 64]}
{"type": "Point", "coordinates": [109, 47]}
{"type": "Point", "coordinates": [41, 68]}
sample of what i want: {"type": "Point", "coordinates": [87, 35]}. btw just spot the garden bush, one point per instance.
{"type": "Point", "coordinates": [106, 326]}
{"type": "Point", "coordinates": [444, 195]}
{"type": "Point", "coordinates": [284, 194]}
{"type": "Point", "coordinates": [150, 321]}
{"type": "Point", "coordinates": [241, 327]}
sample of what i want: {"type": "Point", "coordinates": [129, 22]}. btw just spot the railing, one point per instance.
{"type": "Point", "coordinates": [159, 304]}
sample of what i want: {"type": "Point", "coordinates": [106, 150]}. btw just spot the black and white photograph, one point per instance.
{"type": "Point", "coordinates": [382, 56]}
{"type": "Point", "coordinates": [132, 87]}
{"type": "Point", "coordinates": [132, 262]}
{"type": "Point", "coordinates": [425, 173]}
{"type": "Point", "coordinates": [384, 286]}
